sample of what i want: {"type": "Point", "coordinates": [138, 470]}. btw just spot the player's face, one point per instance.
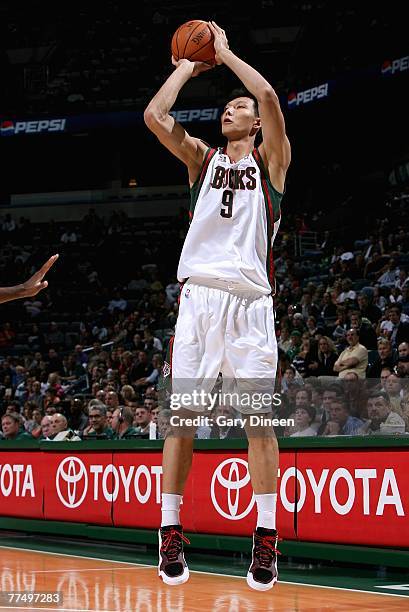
{"type": "Point", "coordinates": [238, 118]}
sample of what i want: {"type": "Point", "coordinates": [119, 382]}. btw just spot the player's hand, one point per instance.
{"type": "Point", "coordinates": [197, 67]}
{"type": "Point", "coordinates": [35, 284]}
{"type": "Point", "coordinates": [220, 40]}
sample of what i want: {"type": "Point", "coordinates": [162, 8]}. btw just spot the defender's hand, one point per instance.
{"type": "Point", "coordinates": [35, 284]}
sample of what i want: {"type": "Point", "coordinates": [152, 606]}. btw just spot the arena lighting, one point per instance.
{"type": "Point", "coordinates": [132, 182]}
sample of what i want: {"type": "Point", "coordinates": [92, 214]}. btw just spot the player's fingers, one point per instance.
{"type": "Point", "coordinates": [44, 269]}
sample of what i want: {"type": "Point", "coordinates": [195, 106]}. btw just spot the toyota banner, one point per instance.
{"type": "Point", "coordinates": [340, 496]}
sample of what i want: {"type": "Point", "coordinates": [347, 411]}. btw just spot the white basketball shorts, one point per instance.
{"type": "Point", "coordinates": [224, 330]}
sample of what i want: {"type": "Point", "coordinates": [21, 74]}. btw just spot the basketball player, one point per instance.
{"type": "Point", "coordinates": [226, 320]}
{"type": "Point", "coordinates": [31, 287]}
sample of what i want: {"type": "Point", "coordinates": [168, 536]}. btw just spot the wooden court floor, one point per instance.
{"type": "Point", "coordinates": [90, 584]}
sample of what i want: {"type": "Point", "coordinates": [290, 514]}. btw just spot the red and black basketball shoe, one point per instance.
{"type": "Point", "coordinates": [172, 565]}
{"type": "Point", "coordinates": [262, 574]}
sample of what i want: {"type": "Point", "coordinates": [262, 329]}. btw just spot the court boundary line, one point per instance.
{"type": "Point", "coordinates": [316, 586]}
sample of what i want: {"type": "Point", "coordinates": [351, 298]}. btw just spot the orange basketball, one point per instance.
{"type": "Point", "coordinates": [193, 40]}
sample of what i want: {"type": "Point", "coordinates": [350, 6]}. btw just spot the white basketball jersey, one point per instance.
{"type": "Point", "coordinates": [235, 214]}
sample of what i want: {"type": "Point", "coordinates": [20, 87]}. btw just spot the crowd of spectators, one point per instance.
{"type": "Point", "coordinates": [82, 360]}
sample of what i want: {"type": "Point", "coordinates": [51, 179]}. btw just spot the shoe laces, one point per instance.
{"type": "Point", "coordinates": [172, 543]}
{"type": "Point", "coordinates": [265, 549]}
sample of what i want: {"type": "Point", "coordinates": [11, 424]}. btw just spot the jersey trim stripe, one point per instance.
{"type": "Point", "coordinates": [197, 185]}
{"type": "Point", "coordinates": [270, 220]}
{"type": "Point", "coordinates": [275, 195]}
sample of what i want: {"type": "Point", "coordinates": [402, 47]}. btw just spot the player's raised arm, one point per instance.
{"type": "Point", "coordinates": [275, 148]}
{"type": "Point", "coordinates": [169, 132]}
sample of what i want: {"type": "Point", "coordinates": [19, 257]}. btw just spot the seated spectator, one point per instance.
{"type": "Point", "coordinates": [50, 410]}
{"type": "Point", "coordinates": [59, 430]}
{"type": "Point", "coordinates": [378, 299]}
{"type": "Point", "coordinates": [385, 373]}
{"type": "Point", "coordinates": [329, 309]}
{"type": "Point", "coordinates": [12, 427]}
{"type": "Point", "coordinates": [375, 264]}
{"type": "Point", "coordinates": [117, 303]}
{"type": "Point", "coordinates": [367, 335]}
{"type": "Point", "coordinates": [111, 400]}
{"type": "Point", "coordinates": [152, 379]}
{"type": "Point", "coordinates": [402, 280]}
{"type": "Point", "coordinates": [308, 308]}
{"type": "Point", "coordinates": [284, 339]}
{"type": "Point", "coordinates": [295, 346]}
{"type": "Point", "coordinates": [304, 357]}
{"type": "Point", "coordinates": [395, 296]}
{"type": "Point", "coordinates": [304, 418]}
{"type": "Point", "coordinates": [341, 327]}
{"type": "Point", "coordinates": [151, 343]}
{"type": "Point", "coordinates": [36, 396]}
{"type": "Point", "coordinates": [142, 368]}
{"type": "Point", "coordinates": [402, 365]}
{"type": "Point", "coordinates": [340, 413]}
{"type": "Point", "coordinates": [385, 359]}
{"type": "Point", "coordinates": [12, 407]}
{"type": "Point", "coordinates": [50, 399]}
{"type": "Point", "coordinates": [99, 429]}
{"type": "Point", "coordinates": [368, 311]}
{"type": "Point", "coordinates": [347, 294]}
{"type": "Point", "coordinates": [326, 358]}
{"type": "Point", "coordinates": [290, 377]}
{"type": "Point", "coordinates": [390, 274]}
{"type": "Point", "coordinates": [122, 423]}
{"type": "Point", "coordinates": [303, 400]}
{"type": "Point", "coordinates": [34, 427]}
{"type": "Point", "coordinates": [356, 394]}
{"type": "Point", "coordinates": [323, 412]}
{"type": "Point", "coordinates": [312, 329]}
{"type": "Point", "coordinates": [143, 418]}
{"type": "Point", "coordinates": [298, 322]}
{"type": "Point", "coordinates": [393, 387]}
{"type": "Point", "coordinates": [354, 358]}
{"type": "Point", "coordinates": [382, 420]}
{"type": "Point", "coordinates": [45, 428]}
{"type": "Point", "coordinates": [77, 418]}
{"type": "Point", "coordinates": [400, 328]}
{"type": "Point", "coordinates": [128, 394]}
{"type": "Point", "coordinates": [404, 304]}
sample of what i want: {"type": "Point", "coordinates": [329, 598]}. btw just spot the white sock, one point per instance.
{"type": "Point", "coordinates": [266, 510]}
{"type": "Point", "coordinates": [170, 509]}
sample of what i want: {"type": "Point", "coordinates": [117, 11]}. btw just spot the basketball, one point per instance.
{"type": "Point", "coordinates": [193, 40]}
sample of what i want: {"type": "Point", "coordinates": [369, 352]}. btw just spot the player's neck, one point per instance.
{"type": "Point", "coordinates": [237, 149]}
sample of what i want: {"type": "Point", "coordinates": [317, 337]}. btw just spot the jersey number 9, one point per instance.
{"type": "Point", "coordinates": [227, 204]}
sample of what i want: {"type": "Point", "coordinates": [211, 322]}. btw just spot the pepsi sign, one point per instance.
{"type": "Point", "coordinates": [390, 67]}
{"type": "Point", "coordinates": [308, 95]}
{"type": "Point", "coordinates": [42, 126]}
